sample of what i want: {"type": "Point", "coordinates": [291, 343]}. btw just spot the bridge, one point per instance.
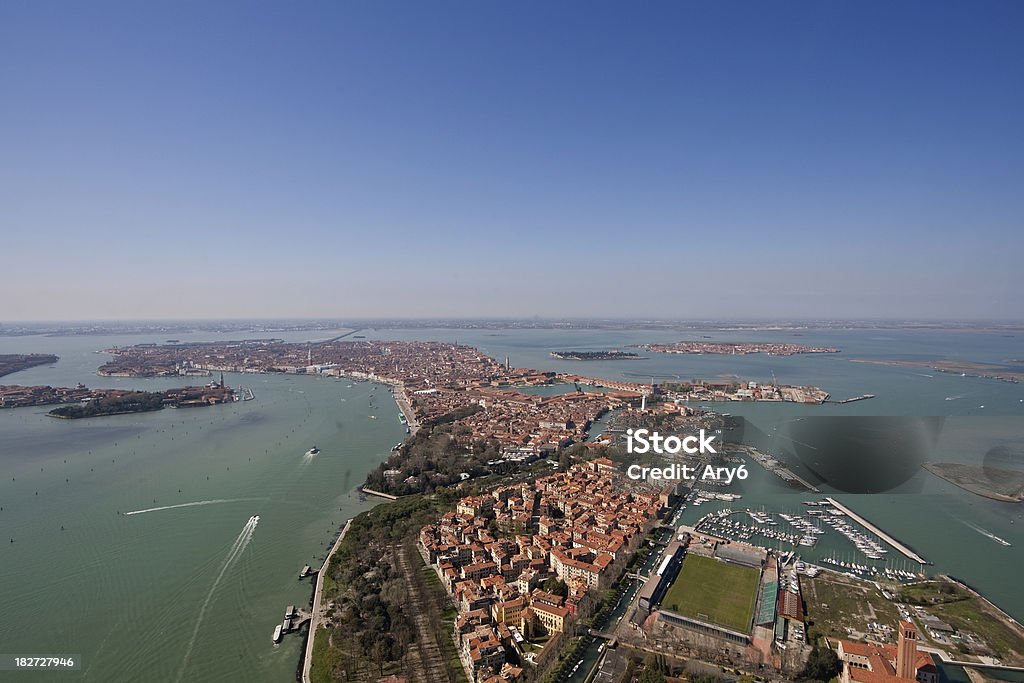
{"type": "Point", "coordinates": [612, 640]}
{"type": "Point", "coordinates": [339, 337]}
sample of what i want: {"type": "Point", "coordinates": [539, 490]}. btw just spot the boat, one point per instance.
{"type": "Point", "coordinates": [277, 634]}
{"type": "Point", "coordinates": [313, 451]}
{"type": "Point", "coordinates": [989, 534]}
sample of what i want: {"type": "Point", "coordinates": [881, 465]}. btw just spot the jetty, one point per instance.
{"type": "Point", "coordinates": [380, 494]}
{"type": "Point", "coordinates": [788, 475]}
{"type": "Point", "coordinates": [878, 532]}
{"type": "Point", "coordinates": [862, 397]}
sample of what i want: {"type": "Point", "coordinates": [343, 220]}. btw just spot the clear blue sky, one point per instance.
{"type": "Point", "coordinates": [671, 159]}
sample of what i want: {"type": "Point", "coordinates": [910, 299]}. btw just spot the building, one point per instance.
{"type": "Point", "coordinates": [578, 526]}
{"type": "Point", "coordinates": [879, 663]}
{"type": "Point", "coordinates": [552, 617]}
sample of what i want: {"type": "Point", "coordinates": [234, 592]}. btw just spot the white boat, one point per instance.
{"type": "Point", "coordinates": [313, 451]}
{"type": "Point", "coordinates": [277, 634]}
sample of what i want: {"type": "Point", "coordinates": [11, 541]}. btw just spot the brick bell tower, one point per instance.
{"type": "Point", "coordinates": [906, 651]}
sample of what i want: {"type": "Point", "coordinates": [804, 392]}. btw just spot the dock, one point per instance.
{"type": "Point", "coordinates": [379, 494]}
{"type": "Point", "coordinates": [789, 475]}
{"type": "Point", "coordinates": [294, 619]}
{"type": "Point", "coordinates": [862, 397]}
{"type": "Point", "coordinates": [878, 532]}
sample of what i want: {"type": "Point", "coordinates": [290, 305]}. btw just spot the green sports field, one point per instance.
{"type": "Point", "coordinates": [714, 591]}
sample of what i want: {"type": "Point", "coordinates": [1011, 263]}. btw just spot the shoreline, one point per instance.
{"type": "Point", "coordinates": [315, 616]}
{"type": "Point", "coordinates": [970, 487]}
{"type": "Point", "coordinates": [405, 407]}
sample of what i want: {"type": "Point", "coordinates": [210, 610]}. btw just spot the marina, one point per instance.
{"type": "Point", "coordinates": [854, 548]}
{"type": "Point", "coordinates": [878, 532]}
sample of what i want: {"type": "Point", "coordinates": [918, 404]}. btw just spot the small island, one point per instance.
{"type": "Point", "coordinates": [595, 355]}
{"type": "Point", "coordinates": [737, 348]}
{"type": "Point", "coordinates": [15, 362]}
{"type": "Point", "coordinates": [18, 396]}
{"type": "Point", "coordinates": [111, 404]}
{"type": "Point", "coordinates": [118, 402]}
{"type": "Point", "coordinates": [1002, 372]}
{"type": "Point", "coordinates": [80, 401]}
{"type": "Point", "coordinates": [738, 390]}
{"type": "Point", "coordinates": [994, 483]}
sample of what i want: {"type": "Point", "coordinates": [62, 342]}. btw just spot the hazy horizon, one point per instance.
{"type": "Point", "coordinates": [455, 160]}
{"type": "Point", "coordinates": [532, 320]}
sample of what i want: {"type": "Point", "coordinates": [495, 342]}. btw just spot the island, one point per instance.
{"type": "Point", "coordinates": [994, 483]}
{"type": "Point", "coordinates": [80, 401]}
{"type": "Point", "coordinates": [18, 396]}
{"type": "Point", "coordinates": [15, 362]}
{"type": "Point", "coordinates": [736, 390]}
{"type": "Point", "coordinates": [737, 348]}
{"type": "Point", "coordinates": [1002, 372]}
{"type": "Point", "coordinates": [595, 355]}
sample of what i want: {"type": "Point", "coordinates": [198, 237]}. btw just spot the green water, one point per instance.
{"type": "Point", "coordinates": [127, 593]}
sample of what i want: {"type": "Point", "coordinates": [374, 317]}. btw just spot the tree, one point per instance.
{"type": "Point", "coordinates": [556, 586]}
{"type": "Point", "coordinates": [651, 676]}
{"type": "Point", "coordinates": [564, 460]}
{"type": "Point", "coordinates": [822, 665]}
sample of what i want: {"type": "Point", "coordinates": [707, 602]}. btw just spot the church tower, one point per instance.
{"type": "Point", "coordinates": [906, 651]}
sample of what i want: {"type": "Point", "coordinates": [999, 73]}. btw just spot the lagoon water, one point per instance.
{"type": "Point", "coordinates": [193, 592]}
{"type": "Point", "coordinates": [160, 596]}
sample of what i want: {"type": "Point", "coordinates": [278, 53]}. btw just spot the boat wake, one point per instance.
{"type": "Point", "coordinates": [986, 532]}
{"type": "Point", "coordinates": [236, 550]}
{"type": "Point", "coordinates": [185, 505]}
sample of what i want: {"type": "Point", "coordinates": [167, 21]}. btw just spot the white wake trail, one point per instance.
{"type": "Point", "coordinates": [234, 553]}
{"type": "Point", "coordinates": [184, 505]}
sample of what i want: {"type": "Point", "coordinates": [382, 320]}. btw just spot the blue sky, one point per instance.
{"type": "Point", "coordinates": [661, 159]}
